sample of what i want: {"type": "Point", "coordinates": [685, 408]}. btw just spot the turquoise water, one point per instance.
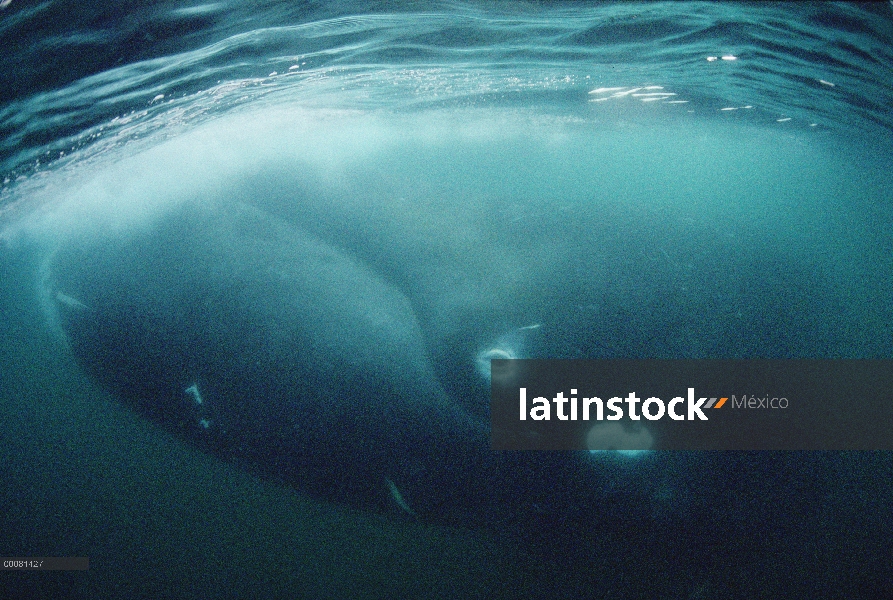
{"type": "Point", "coordinates": [667, 180]}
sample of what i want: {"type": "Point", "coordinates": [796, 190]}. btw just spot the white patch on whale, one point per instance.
{"type": "Point", "coordinates": [193, 389]}
{"type": "Point", "coordinates": [397, 497]}
{"type": "Point", "coordinates": [67, 300]}
{"type": "Point", "coordinates": [617, 438]}
{"type": "Point", "coordinates": [509, 346]}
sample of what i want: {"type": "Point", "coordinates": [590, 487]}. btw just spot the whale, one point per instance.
{"type": "Point", "coordinates": [364, 380]}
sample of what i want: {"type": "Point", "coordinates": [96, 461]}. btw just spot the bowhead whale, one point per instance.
{"type": "Point", "coordinates": [269, 348]}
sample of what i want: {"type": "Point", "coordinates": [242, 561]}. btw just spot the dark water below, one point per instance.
{"type": "Point", "coordinates": [580, 166]}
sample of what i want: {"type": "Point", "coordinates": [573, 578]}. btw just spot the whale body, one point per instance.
{"type": "Point", "coordinates": [299, 358]}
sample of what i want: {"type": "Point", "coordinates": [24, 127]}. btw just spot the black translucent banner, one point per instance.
{"type": "Point", "coordinates": [45, 563]}
{"type": "Point", "coordinates": [692, 404]}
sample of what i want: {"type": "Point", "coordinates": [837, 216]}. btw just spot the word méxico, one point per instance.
{"type": "Point", "coordinates": [652, 408]}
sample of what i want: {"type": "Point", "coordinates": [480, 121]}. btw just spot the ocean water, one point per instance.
{"type": "Point", "coordinates": [556, 179]}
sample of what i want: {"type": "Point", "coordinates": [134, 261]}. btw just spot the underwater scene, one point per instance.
{"type": "Point", "coordinates": [256, 259]}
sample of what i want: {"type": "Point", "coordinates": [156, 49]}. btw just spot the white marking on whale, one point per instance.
{"type": "Point", "coordinates": [193, 389]}
{"type": "Point", "coordinates": [398, 497]}
{"type": "Point", "coordinates": [70, 302]}
{"type": "Point", "coordinates": [508, 346]}
{"type": "Point", "coordinates": [616, 437]}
